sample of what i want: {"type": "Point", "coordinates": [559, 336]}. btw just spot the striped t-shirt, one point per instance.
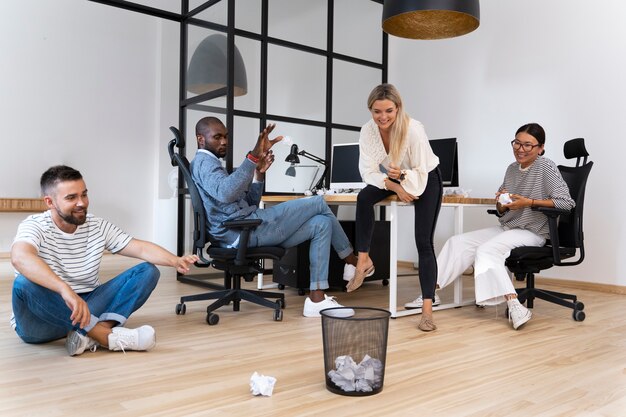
{"type": "Point", "coordinates": [540, 181]}
{"type": "Point", "coordinates": [74, 257]}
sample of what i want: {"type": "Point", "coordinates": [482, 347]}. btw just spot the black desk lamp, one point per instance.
{"type": "Point", "coordinates": [293, 159]}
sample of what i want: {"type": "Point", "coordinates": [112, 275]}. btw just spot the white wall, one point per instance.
{"type": "Point", "coordinates": [79, 82]}
{"type": "Point", "coordinates": [560, 63]}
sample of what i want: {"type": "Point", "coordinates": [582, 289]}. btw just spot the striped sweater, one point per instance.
{"type": "Point", "coordinates": [540, 181]}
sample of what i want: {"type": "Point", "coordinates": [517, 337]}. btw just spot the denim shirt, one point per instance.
{"type": "Point", "coordinates": [226, 197]}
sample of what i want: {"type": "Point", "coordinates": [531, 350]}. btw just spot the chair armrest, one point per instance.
{"type": "Point", "coordinates": [551, 211]}
{"type": "Point", "coordinates": [495, 212]}
{"type": "Point", "coordinates": [242, 224]}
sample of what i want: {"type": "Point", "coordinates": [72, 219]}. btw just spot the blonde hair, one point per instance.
{"type": "Point", "coordinates": [400, 125]}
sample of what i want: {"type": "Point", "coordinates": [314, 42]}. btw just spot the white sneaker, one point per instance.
{"type": "Point", "coordinates": [419, 302]}
{"type": "Point", "coordinates": [350, 270]}
{"type": "Point", "coordinates": [312, 309]}
{"type": "Point", "coordinates": [76, 343]}
{"type": "Point", "coordinates": [518, 314]}
{"type": "Point", "coordinates": [141, 338]}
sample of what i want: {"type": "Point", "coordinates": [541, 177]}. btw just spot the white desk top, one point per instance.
{"type": "Point", "coordinates": [351, 198]}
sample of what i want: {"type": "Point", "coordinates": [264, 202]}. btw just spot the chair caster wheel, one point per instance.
{"type": "Point", "coordinates": [281, 286]}
{"type": "Point", "coordinates": [385, 282]}
{"type": "Point", "coordinates": [212, 319]}
{"type": "Point", "coordinates": [301, 291]}
{"type": "Point", "coordinates": [281, 303]}
{"type": "Point", "coordinates": [278, 315]}
{"type": "Point", "coordinates": [181, 309]}
{"type": "Point", "coordinates": [579, 315]}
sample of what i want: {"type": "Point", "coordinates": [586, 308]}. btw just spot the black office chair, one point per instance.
{"type": "Point", "coordinates": [566, 237]}
{"type": "Point", "coordinates": [237, 263]}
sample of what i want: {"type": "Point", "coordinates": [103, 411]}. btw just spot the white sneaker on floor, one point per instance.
{"type": "Point", "coordinates": [518, 314]}
{"type": "Point", "coordinates": [350, 270]}
{"type": "Point", "coordinates": [141, 338]}
{"type": "Point", "coordinates": [312, 309]}
{"type": "Point", "coordinates": [76, 343]}
{"type": "Point", "coordinates": [419, 302]}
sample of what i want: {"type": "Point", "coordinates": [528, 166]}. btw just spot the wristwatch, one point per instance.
{"type": "Point", "coordinates": [402, 176]}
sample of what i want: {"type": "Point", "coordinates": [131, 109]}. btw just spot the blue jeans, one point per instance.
{"type": "Point", "coordinates": [290, 223]}
{"type": "Point", "coordinates": [41, 315]}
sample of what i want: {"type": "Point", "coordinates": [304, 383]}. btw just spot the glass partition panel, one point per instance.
{"type": "Point", "coordinates": [248, 15]}
{"type": "Point", "coordinates": [244, 136]}
{"type": "Point", "coordinates": [296, 83]}
{"type": "Point", "coordinates": [352, 85]}
{"type": "Point", "coordinates": [299, 21]}
{"type": "Point", "coordinates": [217, 13]}
{"type": "Point", "coordinates": [304, 175]}
{"type": "Point", "coordinates": [167, 5]}
{"type": "Point", "coordinates": [345, 136]}
{"type": "Point", "coordinates": [357, 29]}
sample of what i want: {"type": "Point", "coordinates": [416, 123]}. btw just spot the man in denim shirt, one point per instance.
{"type": "Point", "coordinates": [237, 196]}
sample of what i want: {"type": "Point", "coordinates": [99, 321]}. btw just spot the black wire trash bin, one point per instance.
{"type": "Point", "coordinates": [355, 350]}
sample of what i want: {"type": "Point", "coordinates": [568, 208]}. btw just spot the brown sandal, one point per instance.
{"type": "Point", "coordinates": [359, 276]}
{"type": "Point", "coordinates": [427, 324]}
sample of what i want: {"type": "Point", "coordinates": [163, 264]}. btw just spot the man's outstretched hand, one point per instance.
{"type": "Point", "coordinates": [263, 143]}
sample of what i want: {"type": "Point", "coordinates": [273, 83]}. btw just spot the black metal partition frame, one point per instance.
{"type": "Point", "coordinates": [188, 17]}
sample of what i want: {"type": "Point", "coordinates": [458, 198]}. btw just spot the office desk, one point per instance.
{"type": "Point", "coordinates": [458, 203]}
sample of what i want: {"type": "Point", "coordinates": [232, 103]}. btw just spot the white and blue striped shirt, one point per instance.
{"type": "Point", "coordinates": [74, 257]}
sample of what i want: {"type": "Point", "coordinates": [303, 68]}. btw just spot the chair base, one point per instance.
{"type": "Point", "coordinates": [527, 295]}
{"type": "Point", "coordinates": [235, 295]}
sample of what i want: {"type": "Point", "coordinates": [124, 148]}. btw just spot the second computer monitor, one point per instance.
{"type": "Point", "coordinates": [344, 171]}
{"type": "Point", "coordinates": [446, 150]}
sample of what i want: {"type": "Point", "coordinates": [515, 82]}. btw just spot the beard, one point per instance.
{"type": "Point", "coordinates": [76, 218]}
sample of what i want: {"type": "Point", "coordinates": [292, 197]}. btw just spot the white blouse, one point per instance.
{"type": "Point", "coordinates": [418, 158]}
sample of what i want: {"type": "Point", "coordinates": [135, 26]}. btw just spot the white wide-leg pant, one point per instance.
{"type": "Point", "coordinates": [487, 250]}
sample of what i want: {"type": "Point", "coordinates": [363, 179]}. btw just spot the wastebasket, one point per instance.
{"type": "Point", "coordinates": [355, 350]}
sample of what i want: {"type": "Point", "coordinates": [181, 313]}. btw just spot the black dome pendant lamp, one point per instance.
{"type": "Point", "coordinates": [430, 19]}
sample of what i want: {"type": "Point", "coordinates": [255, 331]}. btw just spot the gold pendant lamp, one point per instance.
{"type": "Point", "coordinates": [430, 19]}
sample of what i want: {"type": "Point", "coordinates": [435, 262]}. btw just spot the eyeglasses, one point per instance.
{"type": "Point", "coordinates": [527, 147]}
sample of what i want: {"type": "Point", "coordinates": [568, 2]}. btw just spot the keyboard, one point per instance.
{"type": "Point", "coordinates": [347, 192]}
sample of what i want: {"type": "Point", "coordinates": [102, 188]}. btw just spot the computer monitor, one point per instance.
{"type": "Point", "coordinates": [344, 171]}
{"type": "Point", "coordinates": [446, 150]}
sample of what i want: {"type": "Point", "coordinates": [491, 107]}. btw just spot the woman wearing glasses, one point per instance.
{"type": "Point", "coordinates": [531, 181]}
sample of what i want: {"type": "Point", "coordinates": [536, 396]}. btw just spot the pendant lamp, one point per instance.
{"type": "Point", "coordinates": [208, 67]}
{"type": "Point", "coordinates": [430, 19]}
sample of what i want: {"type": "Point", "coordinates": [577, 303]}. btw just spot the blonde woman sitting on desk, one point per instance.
{"type": "Point", "coordinates": [393, 140]}
{"type": "Point", "coordinates": [531, 181]}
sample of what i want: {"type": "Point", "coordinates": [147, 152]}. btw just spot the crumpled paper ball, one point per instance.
{"type": "Point", "coordinates": [364, 377]}
{"type": "Point", "coordinates": [261, 384]}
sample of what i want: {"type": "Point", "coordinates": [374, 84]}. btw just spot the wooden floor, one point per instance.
{"type": "Point", "coordinates": [473, 365]}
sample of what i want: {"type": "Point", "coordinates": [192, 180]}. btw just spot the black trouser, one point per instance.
{"type": "Point", "coordinates": [426, 212]}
